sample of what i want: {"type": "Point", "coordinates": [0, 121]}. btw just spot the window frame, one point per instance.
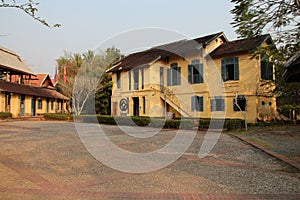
{"type": "Point", "coordinates": [242, 99]}
{"type": "Point", "coordinates": [266, 68]}
{"type": "Point", "coordinates": [197, 103]}
{"type": "Point", "coordinates": [118, 74]}
{"type": "Point", "coordinates": [225, 63]}
{"type": "Point", "coordinates": [40, 104]}
{"type": "Point", "coordinates": [174, 75]}
{"type": "Point", "coordinates": [217, 104]}
{"type": "Point", "coordinates": [198, 67]}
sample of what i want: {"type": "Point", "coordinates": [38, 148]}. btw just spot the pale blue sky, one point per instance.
{"type": "Point", "coordinates": [85, 24]}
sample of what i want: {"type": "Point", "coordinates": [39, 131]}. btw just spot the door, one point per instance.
{"type": "Point", "coordinates": [33, 106]}
{"type": "Point", "coordinates": [47, 106]}
{"type": "Point", "coordinates": [22, 105]}
{"type": "Point", "coordinates": [7, 102]}
{"type": "Point", "coordinates": [136, 106]}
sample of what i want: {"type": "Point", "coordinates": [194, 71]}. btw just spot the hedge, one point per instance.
{"type": "Point", "coordinates": [5, 115]}
{"type": "Point", "coordinates": [184, 123]}
{"type": "Point", "coordinates": [56, 116]}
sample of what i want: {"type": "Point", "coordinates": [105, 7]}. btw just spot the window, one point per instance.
{"type": "Point", "coordinates": [197, 104]}
{"type": "Point", "coordinates": [266, 67]}
{"type": "Point", "coordinates": [144, 105]}
{"type": "Point", "coordinates": [52, 105]}
{"type": "Point", "coordinates": [161, 77]}
{"type": "Point", "coordinates": [129, 80]}
{"type": "Point", "coordinates": [173, 75]}
{"type": "Point", "coordinates": [40, 104]}
{"type": "Point", "coordinates": [230, 69]}
{"type": "Point", "coordinates": [239, 103]}
{"type": "Point", "coordinates": [217, 104]}
{"type": "Point", "coordinates": [118, 79]}
{"type": "Point", "coordinates": [195, 72]}
{"type": "Point", "coordinates": [142, 71]}
{"type": "Point", "coordinates": [136, 79]}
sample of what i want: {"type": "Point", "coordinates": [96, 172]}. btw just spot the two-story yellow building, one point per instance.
{"type": "Point", "coordinates": [19, 93]}
{"type": "Point", "coordinates": [183, 78]}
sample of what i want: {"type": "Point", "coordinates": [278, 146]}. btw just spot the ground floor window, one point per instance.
{"type": "Point", "coordinates": [197, 103]}
{"type": "Point", "coordinates": [239, 103]}
{"type": "Point", "coordinates": [217, 104]}
{"type": "Point", "coordinates": [40, 104]}
{"type": "Point", "coordinates": [52, 105]}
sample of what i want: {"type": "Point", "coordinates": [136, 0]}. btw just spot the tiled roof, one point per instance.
{"type": "Point", "coordinates": [145, 58]}
{"type": "Point", "coordinates": [30, 90]}
{"type": "Point", "coordinates": [239, 46]}
{"type": "Point", "coordinates": [292, 72]}
{"type": "Point", "coordinates": [40, 81]}
{"type": "Point", "coordinates": [12, 61]}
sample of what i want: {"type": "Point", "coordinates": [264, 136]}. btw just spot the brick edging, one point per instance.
{"type": "Point", "coordinates": [272, 153]}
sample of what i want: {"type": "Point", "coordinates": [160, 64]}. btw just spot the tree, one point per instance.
{"type": "Point", "coordinates": [280, 18]}
{"type": "Point", "coordinates": [85, 77]}
{"type": "Point", "coordinates": [29, 7]}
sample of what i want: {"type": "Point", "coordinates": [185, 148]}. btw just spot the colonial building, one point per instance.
{"type": "Point", "coordinates": [179, 78]}
{"type": "Point", "coordinates": [22, 92]}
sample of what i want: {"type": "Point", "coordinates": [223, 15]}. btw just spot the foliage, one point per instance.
{"type": "Point", "coordinates": [5, 115]}
{"type": "Point", "coordinates": [29, 7]}
{"type": "Point", "coordinates": [286, 109]}
{"type": "Point", "coordinates": [56, 116]}
{"type": "Point", "coordinates": [86, 78]}
{"type": "Point", "coordinates": [280, 18]}
{"type": "Point", "coordinates": [184, 123]}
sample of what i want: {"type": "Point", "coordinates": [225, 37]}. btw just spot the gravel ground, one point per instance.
{"type": "Point", "coordinates": [44, 159]}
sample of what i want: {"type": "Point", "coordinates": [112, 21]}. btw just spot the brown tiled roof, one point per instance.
{"type": "Point", "coordinates": [240, 46]}
{"type": "Point", "coordinates": [40, 81]}
{"type": "Point", "coordinates": [10, 60]}
{"type": "Point", "coordinates": [145, 58]}
{"type": "Point", "coordinates": [30, 90]}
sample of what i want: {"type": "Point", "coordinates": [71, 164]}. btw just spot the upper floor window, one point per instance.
{"type": "Point", "coordinates": [129, 80]}
{"type": "Point", "coordinates": [217, 104]}
{"type": "Point", "coordinates": [136, 78]}
{"type": "Point", "coordinates": [266, 67]}
{"type": "Point", "coordinates": [239, 103]}
{"type": "Point", "coordinates": [173, 75]}
{"type": "Point", "coordinates": [197, 103]}
{"type": "Point", "coordinates": [230, 69]}
{"type": "Point", "coordinates": [195, 72]}
{"type": "Point", "coordinates": [143, 76]}
{"type": "Point", "coordinates": [118, 79]}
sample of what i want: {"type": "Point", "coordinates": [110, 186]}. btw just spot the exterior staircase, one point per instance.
{"type": "Point", "coordinates": [168, 96]}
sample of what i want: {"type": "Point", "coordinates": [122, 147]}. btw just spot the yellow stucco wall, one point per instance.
{"type": "Point", "coordinates": [15, 107]}
{"type": "Point", "coordinates": [249, 85]}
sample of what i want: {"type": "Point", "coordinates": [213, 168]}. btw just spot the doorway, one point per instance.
{"type": "Point", "coordinates": [22, 105]}
{"type": "Point", "coordinates": [33, 106]}
{"type": "Point", "coordinates": [136, 106]}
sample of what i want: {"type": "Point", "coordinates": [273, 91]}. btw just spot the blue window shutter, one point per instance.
{"type": "Point", "coordinates": [190, 73]}
{"type": "Point", "coordinates": [129, 79]}
{"type": "Point", "coordinates": [212, 105]}
{"type": "Point", "coordinates": [179, 76]}
{"type": "Point", "coordinates": [236, 68]}
{"type": "Point", "coordinates": [201, 72]}
{"type": "Point", "coordinates": [201, 103]}
{"type": "Point", "coordinates": [193, 103]}
{"type": "Point", "coordinates": [223, 70]}
{"type": "Point", "coordinates": [169, 81]}
{"type": "Point", "coordinates": [222, 105]}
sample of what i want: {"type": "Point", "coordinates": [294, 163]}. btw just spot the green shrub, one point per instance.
{"type": "Point", "coordinates": [57, 116]}
{"type": "Point", "coordinates": [286, 109]}
{"type": "Point", "coordinates": [5, 115]}
{"type": "Point", "coordinates": [184, 123]}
